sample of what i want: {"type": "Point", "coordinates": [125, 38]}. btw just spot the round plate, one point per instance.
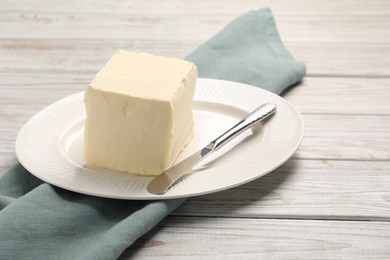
{"type": "Point", "coordinates": [50, 145]}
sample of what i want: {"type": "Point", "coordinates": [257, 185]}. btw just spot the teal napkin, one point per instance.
{"type": "Point", "coordinates": [40, 221]}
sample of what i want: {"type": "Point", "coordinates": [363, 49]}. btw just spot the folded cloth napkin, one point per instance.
{"type": "Point", "coordinates": [40, 221]}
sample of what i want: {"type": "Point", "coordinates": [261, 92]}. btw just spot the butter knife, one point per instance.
{"type": "Point", "coordinates": [161, 183]}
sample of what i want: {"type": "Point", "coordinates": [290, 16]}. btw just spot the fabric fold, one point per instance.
{"type": "Point", "coordinates": [249, 50]}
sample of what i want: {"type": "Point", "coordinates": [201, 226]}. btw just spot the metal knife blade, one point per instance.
{"type": "Point", "coordinates": [161, 183]}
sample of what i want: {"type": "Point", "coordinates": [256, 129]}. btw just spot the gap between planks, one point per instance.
{"type": "Point", "coordinates": [373, 219]}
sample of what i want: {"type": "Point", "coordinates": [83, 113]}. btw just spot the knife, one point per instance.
{"type": "Point", "coordinates": [161, 183]}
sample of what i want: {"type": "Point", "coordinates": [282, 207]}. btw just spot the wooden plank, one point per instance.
{"type": "Point", "coordinates": [343, 59]}
{"type": "Point", "coordinates": [329, 95]}
{"type": "Point", "coordinates": [45, 24]}
{"type": "Point", "coordinates": [315, 95]}
{"type": "Point", "coordinates": [24, 94]}
{"type": "Point", "coordinates": [88, 56]}
{"type": "Point", "coordinates": [352, 137]}
{"type": "Point", "coordinates": [340, 29]}
{"type": "Point", "coordinates": [304, 189]}
{"type": "Point", "coordinates": [335, 133]}
{"type": "Point", "coordinates": [279, 7]}
{"type": "Point", "coordinates": [340, 172]}
{"type": "Point", "coordinates": [221, 238]}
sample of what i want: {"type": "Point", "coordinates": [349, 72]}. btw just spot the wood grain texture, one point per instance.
{"type": "Point", "coordinates": [279, 7]}
{"type": "Point", "coordinates": [345, 137]}
{"type": "Point", "coordinates": [331, 131]}
{"type": "Point", "coordinates": [330, 95]}
{"type": "Point", "coordinates": [305, 189]}
{"type": "Point", "coordinates": [319, 95]}
{"type": "Point", "coordinates": [174, 26]}
{"type": "Point", "coordinates": [220, 238]}
{"type": "Point", "coordinates": [330, 201]}
{"type": "Point", "coordinates": [88, 55]}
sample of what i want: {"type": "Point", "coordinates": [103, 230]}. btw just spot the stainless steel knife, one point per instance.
{"type": "Point", "coordinates": [161, 183]}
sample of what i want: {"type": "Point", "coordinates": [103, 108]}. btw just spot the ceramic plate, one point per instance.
{"type": "Point", "coordinates": [50, 145]}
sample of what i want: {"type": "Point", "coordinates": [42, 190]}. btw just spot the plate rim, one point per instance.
{"type": "Point", "coordinates": [205, 81]}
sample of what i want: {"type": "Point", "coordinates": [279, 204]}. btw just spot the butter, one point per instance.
{"type": "Point", "coordinates": [139, 113]}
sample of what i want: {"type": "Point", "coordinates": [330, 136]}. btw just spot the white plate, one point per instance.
{"type": "Point", "coordinates": [50, 145]}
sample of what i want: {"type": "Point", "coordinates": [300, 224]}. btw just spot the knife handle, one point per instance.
{"type": "Point", "coordinates": [247, 122]}
{"type": "Point", "coordinates": [161, 183]}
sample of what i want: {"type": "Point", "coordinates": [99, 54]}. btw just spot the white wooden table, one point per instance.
{"type": "Point", "coordinates": [331, 200]}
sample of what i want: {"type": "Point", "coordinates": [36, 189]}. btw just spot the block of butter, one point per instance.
{"type": "Point", "coordinates": [139, 113]}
